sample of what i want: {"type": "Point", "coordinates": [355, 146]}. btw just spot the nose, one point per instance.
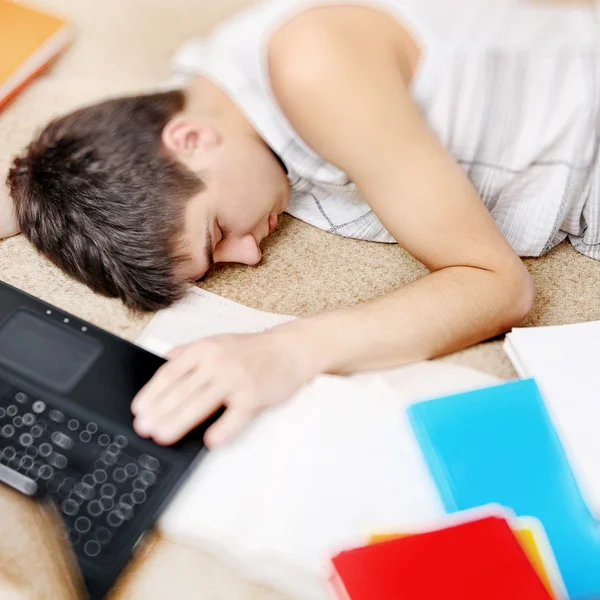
{"type": "Point", "coordinates": [244, 250]}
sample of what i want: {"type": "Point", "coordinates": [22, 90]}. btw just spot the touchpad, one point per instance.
{"type": "Point", "coordinates": [49, 354]}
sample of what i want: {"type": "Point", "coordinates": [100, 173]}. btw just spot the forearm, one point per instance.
{"type": "Point", "coordinates": [443, 312]}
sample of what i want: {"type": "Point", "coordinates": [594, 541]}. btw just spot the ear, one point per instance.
{"type": "Point", "coordinates": [184, 137]}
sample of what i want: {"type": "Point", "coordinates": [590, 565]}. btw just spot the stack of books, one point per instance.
{"type": "Point", "coordinates": [516, 468]}
{"type": "Point", "coordinates": [483, 557]}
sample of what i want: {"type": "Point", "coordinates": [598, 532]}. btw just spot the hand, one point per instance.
{"type": "Point", "coordinates": [244, 373]}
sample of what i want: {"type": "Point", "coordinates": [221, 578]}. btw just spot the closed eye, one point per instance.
{"type": "Point", "coordinates": [224, 232]}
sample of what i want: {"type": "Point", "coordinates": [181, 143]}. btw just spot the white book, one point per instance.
{"type": "Point", "coordinates": [565, 362]}
{"type": "Point", "coordinates": [309, 477]}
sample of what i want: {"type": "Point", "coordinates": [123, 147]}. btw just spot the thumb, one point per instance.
{"type": "Point", "coordinates": [227, 427]}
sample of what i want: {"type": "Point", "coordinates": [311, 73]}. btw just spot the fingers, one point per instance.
{"type": "Point", "coordinates": [151, 414]}
{"type": "Point", "coordinates": [164, 379]}
{"type": "Point", "coordinates": [233, 421]}
{"type": "Point", "coordinates": [185, 415]}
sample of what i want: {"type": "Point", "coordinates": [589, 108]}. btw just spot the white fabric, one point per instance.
{"type": "Point", "coordinates": [315, 475]}
{"type": "Point", "coordinates": [512, 90]}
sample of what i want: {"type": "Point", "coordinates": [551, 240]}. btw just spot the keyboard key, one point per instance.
{"type": "Point", "coordinates": [34, 471]}
{"type": "Point", "coordinates": [8, 431]}
{"type": "Point", "coordinates": [56, 416]}
{"type": "Point", "coordinates": [12, 411]}
{"type": "Point", "coordinates": [31, 451]}
{"type": "Point", "coordinates": [45, 449]}
{"type": "Point", "coordinates": [103, 535]}
{"type": "Point", "coordinates": [107, 503]}
{"type": "Point", "coordinates": [85, 491]}
{"type": "Point", "coordinates": [100, 476]}
{"type": "Point", "coordinates": [139, 496]}
{"type": "Point", "coordinates": [126, 499]}
{"type": "Point", "coordinates": [62, 440]}
{"type": "Point", "coordinates": [20, 397]}
{"type": "Point", "coordinates": [17, 422]}
{"type": "Point", "coordinates": [37, 431]}
{"type": "Point", "coordinates": [16, 459]}
{"type": "Point", "coordinates": [70, 507]}
{"type": "Point", "coordinates": [92, 427]}
{"type": "Point", "coordinates": [138, 484]}
{"type": "Point", "coordinates": [58, 460]}
{"type": "Point", "coordinates": [8, 453]}
{"type": "Point", "coordinates": [108, 458]}
{"type": "Point", "coordinates": [114, 519]}
{"type": "Point", "coordinates": [73, 424]}
{"type": "Point", "coordinates": [2, 413]}
{"type": "Point", "coordinates": [83, 524]}
{"type": "Point", "coordinates": [46, 471]}
{"type": "Point", "coordinates": [119, 475]}
{"type": "Point", "coordinates": [149, 462]}
{"type": "Point", "coordinates": [148, 477]}
{"type": "Point", "coordinates": [113, 449]}
{"type": "Point", "coordinates": [85, 436]}
{"type": "Point", "coordinates": [92, 548]}
{"type": "Point", "coordinates": [25, 439]}
{"type": "Point", "coordinates": [108, 490]}
{"type": "Point", "coordinates": [95, 508]}
{"type": "Point", "coordinates": [131, 469]}
{"type": "Point", "coordinates": [28, 419]}
{"type": "Point", "coordinates": [124, 511]}
{"type": "Point", "coordinates": [38, 407]}
{"type": "Point", "coordinates": [26, 463]}
{"type": "Point", "coordinates": [89, 480]}
{"type": "Point", "coordinates": [120, 441]}
{"type": "Point", "coordinates": [103, 439]}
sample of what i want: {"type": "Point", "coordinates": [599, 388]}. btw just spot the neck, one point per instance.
{"type": "Point", "coordinates": [206, 100]}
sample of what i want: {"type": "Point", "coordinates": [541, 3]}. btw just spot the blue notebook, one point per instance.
{"type": "Point", "coordinates": [499, 445]}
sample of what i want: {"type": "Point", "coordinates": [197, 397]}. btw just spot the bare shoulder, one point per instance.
{"type": "Point", "coordinates": [320, 41]}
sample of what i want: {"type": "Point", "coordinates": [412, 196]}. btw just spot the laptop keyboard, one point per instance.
{"type": "Point", "coordinates": [96, 479]}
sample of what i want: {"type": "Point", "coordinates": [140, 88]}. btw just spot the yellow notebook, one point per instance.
{"type": "Point", "coordinates": [534, 544]}
{"type": "Point", "coordinates": [29, 40]}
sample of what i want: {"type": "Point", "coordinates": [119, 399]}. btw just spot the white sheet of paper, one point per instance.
{"type": "Point", "coordinates": [201, 314]}
{"type": "Point", "coordinates": [565, 361]}
{"type": "Point", "coordinates": [312, 476]}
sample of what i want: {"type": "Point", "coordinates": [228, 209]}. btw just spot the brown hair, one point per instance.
{"type": "Point", "coordinates": [98, 194]}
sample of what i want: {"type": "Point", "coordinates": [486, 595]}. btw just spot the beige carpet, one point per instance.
{"type": "Point", "coordinates": [123, 46]}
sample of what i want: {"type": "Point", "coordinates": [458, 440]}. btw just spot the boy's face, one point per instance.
{"type": "Point", "coordinates": [246, 189]}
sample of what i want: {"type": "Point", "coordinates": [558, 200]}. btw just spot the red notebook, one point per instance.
{"type": "Point", "coordinates": [471, 561]}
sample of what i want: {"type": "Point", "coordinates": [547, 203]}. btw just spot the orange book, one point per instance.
{"type": "Point", "coordinates": [29, 40]}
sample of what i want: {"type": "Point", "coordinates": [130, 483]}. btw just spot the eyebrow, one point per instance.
{"type": "Point", "coordinates": [208, 247]}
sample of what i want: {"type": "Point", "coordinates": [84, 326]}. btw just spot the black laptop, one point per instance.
{"type": "Point", "coordinates": [66, 432]}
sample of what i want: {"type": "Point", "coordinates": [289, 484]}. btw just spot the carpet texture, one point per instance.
{"type": "Point", "coordinates": [123, 46]}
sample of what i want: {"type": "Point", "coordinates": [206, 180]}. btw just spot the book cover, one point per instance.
{"type": "Point", "coordinates": [29, 40]}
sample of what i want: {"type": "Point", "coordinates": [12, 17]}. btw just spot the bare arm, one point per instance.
{"type": "Point", "coordinates": [349, 102]}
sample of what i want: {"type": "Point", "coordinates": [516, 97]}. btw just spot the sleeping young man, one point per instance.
{"type": "Point", "coordinates": [464, 130]}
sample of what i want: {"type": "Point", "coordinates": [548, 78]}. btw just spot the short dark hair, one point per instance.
{"type": "Point", "coordinates": [100, 196]}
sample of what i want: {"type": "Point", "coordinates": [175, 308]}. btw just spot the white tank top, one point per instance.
{"type": "Point", "coordinates": [511, 89]}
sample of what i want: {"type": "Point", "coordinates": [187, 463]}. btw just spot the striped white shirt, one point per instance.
{"type": "Point", "coordinates": [511, 89]}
